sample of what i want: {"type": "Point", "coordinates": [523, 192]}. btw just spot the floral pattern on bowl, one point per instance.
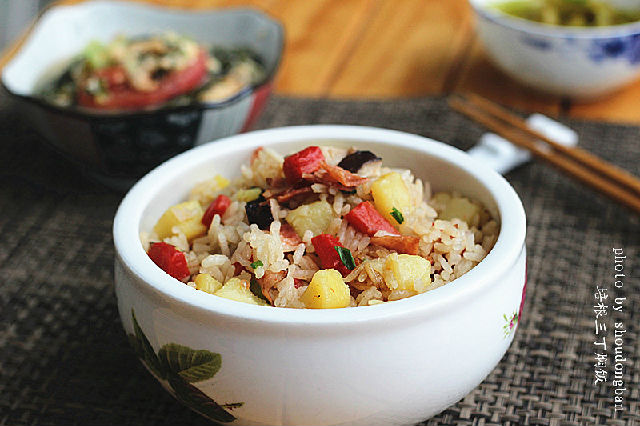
{"type": "Point", "coordinates": [511, 322]}
{"type": "Point", "coordinates": [178, 367]}
{"type": "Point", "coordinates": [622, 48]}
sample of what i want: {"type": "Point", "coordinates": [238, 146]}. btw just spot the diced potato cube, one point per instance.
{"type": "Point", "coordinates": [236, 289]}
{"type": "Point", "coordinates": [186, 216]}
{"type": "Point", "coordinates": [440, 199]}
{"type": "Point", "coordinates": [207, 283]}
{"type": "Point", "coordinates": [206, 191]}
{"type": "Point", "coordinates": [221, 181]}
{"type": "Point", "coordinates": [407, 272]}
{"type": "Point", "coordinates": [247, 195]}
{"type": "Point", "coordinates": [461, 208]}
{"type": "Point", "coordinates": [314, 217]}
{"type": "Point", "coordinates": [326, 290]}
{"type": "Point", "coordinates": [389, 191]}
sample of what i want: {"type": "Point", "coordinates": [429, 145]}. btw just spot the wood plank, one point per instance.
{"type": "Point", "coordinates": [480, 76]}
{"type": "Point", "coordinates": [407, 50]}
{"type": "Point", "coordinates": [318, 33]}
{"type": "Point", "coordinates": [622, 106]}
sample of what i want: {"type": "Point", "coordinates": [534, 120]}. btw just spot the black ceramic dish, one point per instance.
{"type": "Point", "coordinates": [117, 148]}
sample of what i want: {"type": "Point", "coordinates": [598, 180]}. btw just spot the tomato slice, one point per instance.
{"type": "Point", "coordinates": [121, 96]}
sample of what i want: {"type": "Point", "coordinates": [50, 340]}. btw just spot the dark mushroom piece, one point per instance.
{"type": "Point", "coordinates": [259, 212]}
{"type": "Point", "coordinates": [354, 161]}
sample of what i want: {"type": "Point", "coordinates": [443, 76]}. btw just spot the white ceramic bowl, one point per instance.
{"type": "Point", "coordinates": [390, 364]}
{"type": "Point", "coordinates": [581, 63]}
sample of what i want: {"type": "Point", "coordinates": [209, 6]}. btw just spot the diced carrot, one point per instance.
{"type": "Point", "coordinates": [366, 219]}
{"type": "Point", "coordinates": [217, 207]}
{"type": "Point", "coordinates": [169, 259]}
{"type": "Point", "coordinates": [325, 247]}
{"type": "Point", "coordinates": [306, 161]}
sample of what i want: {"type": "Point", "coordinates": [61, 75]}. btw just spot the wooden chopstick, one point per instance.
{"type": "Point", "coordinates": [611, 171]}
{"type": "Point", "coordinates": [522, 136]}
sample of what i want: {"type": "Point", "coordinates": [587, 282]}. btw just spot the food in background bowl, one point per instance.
{"type": "Point", "coordinates": [132, 73]}
{"type": "Point", "coordinates": [115, 146]}
{"type": "Point", "coordinates": [567, 12]}
{"type": "Point", "coordinates": [325, 227]}
{"type": "Point", "coordinates": [583, 62]}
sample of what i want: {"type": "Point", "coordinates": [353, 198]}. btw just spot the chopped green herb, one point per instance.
{"type": "Point", "coordinates": [256, 264]}
{"type": "Point", "coordinates": [255, 288]}
{"type": "Point", "coordinates": [346, 257]}
{"type": "Point", "coordinates": [397, 215]}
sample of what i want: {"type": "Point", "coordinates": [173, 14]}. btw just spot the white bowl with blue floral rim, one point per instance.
{"type": "Point", "coordinates": [578, 62]}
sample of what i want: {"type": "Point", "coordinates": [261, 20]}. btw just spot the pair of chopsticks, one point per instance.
{"type": "Point", "coordinates": [589, 169]}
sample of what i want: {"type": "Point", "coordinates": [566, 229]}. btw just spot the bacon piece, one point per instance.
{"type": "Point", "coordinates": [276, 183]}
{"type": "Point", "coordinates": [290, 193]}
{"type": "Point", "coordinates": [366, 219]}
{"type": "Point", "coordinates": [400, 243]}
{"type": "Point", "coordinates": [169, 259]}
{"type": "Point", "coordinates": [290, 238]}
{"type": "Point", "coordinates": [237, 268]}
{"type": "Point", "coordinates": [323, 177]}
{"type": "Point", "coordinates": [325, 247]}
{"type": "Point", "coordinates": [269, 281]}
{"type": "Point", "coordinates": [297, 282]}
{"type": "Point", "coordinates": [342, 176]}
{"type": "Point", "coordinates": [217, 207]}
{"type": "Point", "coordinates": [308, 160]}
{"type": "Point", "coordinates": [255, 153]}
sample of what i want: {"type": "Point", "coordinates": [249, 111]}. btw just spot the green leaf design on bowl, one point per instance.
{"type": "Point", "coordinates": [191, 365]}
{"type": "Point", "coordinates": [145, 350]}
{"type": "Point", "coordinates": [195, 399]}
{"type": "Point", "coordinates": [180, 366]}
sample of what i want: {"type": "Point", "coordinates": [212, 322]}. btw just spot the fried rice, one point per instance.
{"type": "Point", "coordinates": [282, 258]}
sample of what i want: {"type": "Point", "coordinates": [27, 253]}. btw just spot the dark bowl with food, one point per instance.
{"type": "Point", "coordinates": [119, 87]}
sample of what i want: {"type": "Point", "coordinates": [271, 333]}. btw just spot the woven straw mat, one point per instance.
{"type": "Point", "coordinates": [64, 358]}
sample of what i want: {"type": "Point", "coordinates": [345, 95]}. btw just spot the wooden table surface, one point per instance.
{"type": "Point", "coordinates": [390, 49]}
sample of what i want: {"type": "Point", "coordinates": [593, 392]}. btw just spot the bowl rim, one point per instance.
{"type": "Point", "coordinates": [519, 24]}
{"type": "Point", "coordinates": [78, 112]}
{"type": "Point", "coordinates": [156, 283]}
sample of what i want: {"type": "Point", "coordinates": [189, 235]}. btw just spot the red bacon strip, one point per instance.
{"type": "Point", "coordinates": [269, 281]}
{"type": "Point", "coordinates": [290, 238]}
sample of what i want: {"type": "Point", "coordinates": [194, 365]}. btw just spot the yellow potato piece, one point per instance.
{"type": "Point", "coordinates": [221, 181]}
{"type": "Point", "coordinates": [407, 272]}
{"type": "Point", "coordinates": [327, 290]}
{"type": "Point", "coordinates": [247, 195]}
{"type": "Point", "coordinates": [205, 192]}
{"type": "Point", "coordinates": [207, 283]}
{"type": "Point", "coordinates": [460, 208]}
{"type": "Point", "coordinates": [187, 217]}
{"type": "Point", "coordinates": [236, 289]}
{"type": "Point", "coordinates": [314, 217]}
{"type": "Point", "coordinates": [389, 191]}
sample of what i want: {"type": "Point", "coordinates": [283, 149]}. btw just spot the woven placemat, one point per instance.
{"type": "Point", "coordinates": [64, 358]}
